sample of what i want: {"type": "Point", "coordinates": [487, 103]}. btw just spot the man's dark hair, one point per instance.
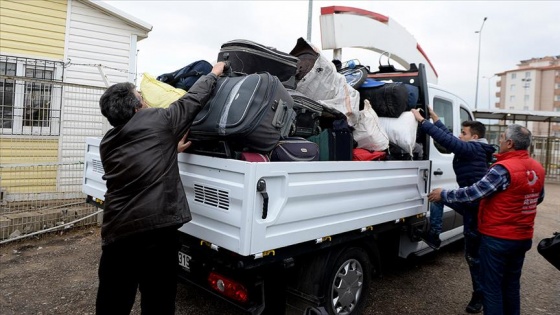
{"type": "Point", "coordinates": [119, 103]}
{"type": "Point", "coordinates": [477, 128]}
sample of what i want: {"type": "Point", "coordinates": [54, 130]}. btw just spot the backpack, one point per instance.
{"type": "Point", "coordinates": [187, 76]}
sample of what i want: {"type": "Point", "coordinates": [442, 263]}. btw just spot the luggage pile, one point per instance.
{"type": "Point", "coordinates": [297, 106]}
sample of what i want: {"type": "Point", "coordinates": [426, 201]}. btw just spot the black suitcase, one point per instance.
{"type": "Point", "coordinates": [308, 114]}
{"type": "Point", "coordinates": [252, 111]}
{"type": "Point", "coordinates": [549, 248]}
{"type": "Point", "coordinates": [387, 100]}
{"type": "Point", "coordinates": [295, 149]}
{"type": "Point", "coordinates": [335, 143]}
{"type": "Point", "coordinates": [249, 57]}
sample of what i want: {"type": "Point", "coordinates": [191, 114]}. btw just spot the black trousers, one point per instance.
{"type": "Point", "coordinates": [148, 262]}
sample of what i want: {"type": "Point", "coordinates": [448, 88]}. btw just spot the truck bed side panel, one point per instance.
{"type": "Point", "coordinates": [307, 200]}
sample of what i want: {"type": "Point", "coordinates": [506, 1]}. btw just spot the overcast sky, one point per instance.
{"type": "Point", "coordinates": [186, 31]}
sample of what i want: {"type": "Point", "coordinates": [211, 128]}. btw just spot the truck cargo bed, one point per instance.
{"type": "Point", "coordinates": [306, 200]}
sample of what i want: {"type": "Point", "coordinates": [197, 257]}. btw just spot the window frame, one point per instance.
{"type": "Point", "coordinates": [22, 85]}
{"type": "Point", "coordinates": [446, 120]}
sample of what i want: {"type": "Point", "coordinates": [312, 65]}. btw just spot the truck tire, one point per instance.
{"type": "Point", "coordinates": [348, 283]}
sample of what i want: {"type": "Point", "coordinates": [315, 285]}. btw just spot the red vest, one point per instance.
{"type": "Point", "coordinates": [510, 214]}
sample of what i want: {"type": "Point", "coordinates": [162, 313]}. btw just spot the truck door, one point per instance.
{"type": "Point", "coordinates": [446, 107]}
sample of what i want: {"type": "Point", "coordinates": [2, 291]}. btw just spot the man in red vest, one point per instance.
{"type": "Point", "coordinates": [510, 192]}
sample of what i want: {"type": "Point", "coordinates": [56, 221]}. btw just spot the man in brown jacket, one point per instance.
{"type": "Point", "coordinates": [145, 202]}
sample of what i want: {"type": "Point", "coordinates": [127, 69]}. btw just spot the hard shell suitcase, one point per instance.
{"type": "Point", "coordinates": [250, 57]}
{"type": "Point", "coordinates": [295, 149]}
{"type": "Point", "coordinates": [308, 114]}
{"type": "Point", "coordinates": [252, 111]}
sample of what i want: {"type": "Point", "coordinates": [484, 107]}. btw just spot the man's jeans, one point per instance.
{"type": "Point", "coordinates": [470, 231]}
{"type": "Point", "coordinates": [436, 215]}
{"type": "Point", "coordinates": [472, 245]}
{"type": "Point", "coordinates": [501, 262]}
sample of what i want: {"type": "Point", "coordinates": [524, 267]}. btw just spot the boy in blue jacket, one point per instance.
{"type": "Point", "coordinates": [472, 155]}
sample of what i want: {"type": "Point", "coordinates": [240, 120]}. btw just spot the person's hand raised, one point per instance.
{"type": "Point", "coordinates": [433, 114]}
{"type": "Point", "coordinates": [417, 114]}
{"type": "Point", "coordinates": [218, 68]}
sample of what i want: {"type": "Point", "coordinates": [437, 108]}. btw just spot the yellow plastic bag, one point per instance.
{"type": "Point", "coordinates": [157, 93]}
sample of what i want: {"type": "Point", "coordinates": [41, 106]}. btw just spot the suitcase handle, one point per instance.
{"type": "Point", "coordinates": [281, 113]}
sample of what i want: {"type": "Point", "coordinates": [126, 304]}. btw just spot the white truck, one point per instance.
{"type": "Point", "coordinates": [306, 237]}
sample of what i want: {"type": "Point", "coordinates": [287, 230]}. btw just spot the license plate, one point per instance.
{"type": "Point", "coordinates": [184, 261]}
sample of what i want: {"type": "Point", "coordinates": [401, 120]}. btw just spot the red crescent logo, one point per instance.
{"type": "Point", "coordinates": [532, 177]}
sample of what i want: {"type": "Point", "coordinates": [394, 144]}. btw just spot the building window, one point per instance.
{"type": "Point", "coordinates": [512, 88]}
{"type": "Point", "coordinates": [512, 107]}
{"type": "Point", "coordinates": [526, 98]}
{"type": "Point", "coordinates": [514, 75]}
{"type": "Point", "coordinates": [30, 99]}
{"type": "Point", "coordinates": [557, 98]}
{"type": "Point", "coordinates": [37, 99]}
{"type": "Point", "coordinates": [512, 98]}
{"type": "Point", "coordinates": [525, 107]}
{"type": "Point", "coordinates": [557, 86]}
{"type": "Point", "coordinates": [527, 74]}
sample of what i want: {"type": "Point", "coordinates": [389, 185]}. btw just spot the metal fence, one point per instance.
{"type": "Point", "coordinates": [44, 125]}
{"type": "Point", "coordinates": [546, 150]}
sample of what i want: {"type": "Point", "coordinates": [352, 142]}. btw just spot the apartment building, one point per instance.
{"type": "Point", "coordinates": [533, 86]}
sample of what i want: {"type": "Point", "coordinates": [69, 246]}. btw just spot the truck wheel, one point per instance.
{"type": "Point", "coordinates": [348, 283]}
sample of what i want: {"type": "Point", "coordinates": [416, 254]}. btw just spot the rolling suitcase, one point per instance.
{"type": "Point", "coordinates": [308, 114]}
{"type": "Point", "coordinates": [335, 143]}
{"type": "Point", "coordinates": [249, 57]}
{"type": "Point", "coordinates": [251, 111]}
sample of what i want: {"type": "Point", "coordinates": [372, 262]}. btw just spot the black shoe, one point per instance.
{"type": "Point", "coordinates": [430, 239]}
{"type": "Point", "coordinates": [475, 305]}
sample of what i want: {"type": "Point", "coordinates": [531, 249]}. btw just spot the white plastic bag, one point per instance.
{"type": "Point", "coordinates": [325, 85]}
{"type": "Point", "coordinates": [401, 131]}
{"type": "Point", "coordinates": [368, 133]}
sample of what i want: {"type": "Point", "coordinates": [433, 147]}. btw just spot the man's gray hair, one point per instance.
{"type": "Point", "coordinates": [520, 136]}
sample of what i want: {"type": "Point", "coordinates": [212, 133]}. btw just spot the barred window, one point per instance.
{"type": "Point", "coordinates": [30, 96]}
